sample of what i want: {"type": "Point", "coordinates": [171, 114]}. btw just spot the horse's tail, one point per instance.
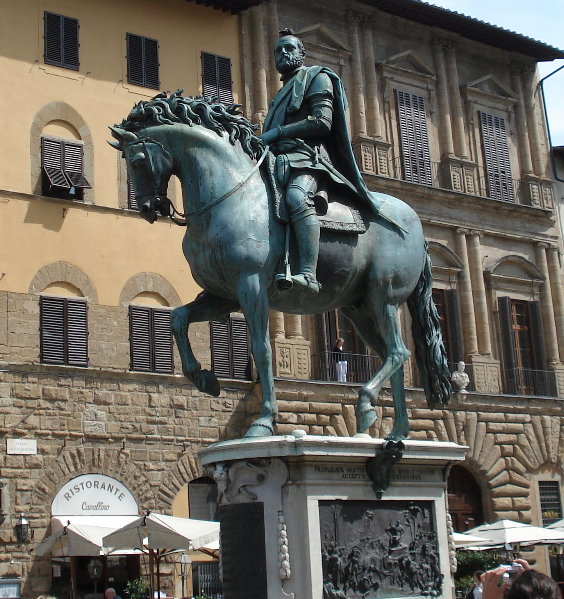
{"type": "Point", "coordinates": [429, 348]}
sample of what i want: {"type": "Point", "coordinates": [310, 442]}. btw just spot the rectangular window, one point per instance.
{"type": "Point", "coordinates": [131, 199]}
{"type": "Point", "coordinates": [142, 61]}
{"type": "Point", "coordinates": [62, 165]}
{"type": "Point", "coordinates": [496, 157]}
{"type": "Point", "coordinates": [414, 139]}
{"type": "Point", "coordinates": [63, 331]}
{"type": "Point", "coordinates": [230, 349]}
{"type": "Point", "coordinates": [524, 358]}
{"type": "Point", "coordinates": [216, 77]}
{"type": "Point", "coordinates": [550, 501]}
{"type": "Point", "coordinates": [202, 499]}
{"type": "Point", "coordinates": [60, 41]}
{"type": "Point", "coordinates": [150, 339]}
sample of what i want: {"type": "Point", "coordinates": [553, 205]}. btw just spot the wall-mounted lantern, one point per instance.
{"type": "Point", "coordinates": [23, 530]}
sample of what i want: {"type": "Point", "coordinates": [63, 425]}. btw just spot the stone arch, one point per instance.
{"type": "Point", "coordinates": [448, 257]}
{"type": "Point", "coordinates": [186, 469]}
{"type": "Point", "coordinates": [63, 271]}
{"type": "Point", "coordinates": [149, 281]}
{"type": "Point", "coordinates": [60, 111]}
{"type": "Point", "coordinates": [72, 462]}
{"type": "Point", "coordinates": [446, 264]}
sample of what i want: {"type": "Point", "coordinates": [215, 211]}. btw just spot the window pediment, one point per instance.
{"type": "Point", "coordinates": [487, 90]}
{"type": "Point", "coordinates": [324, 47]}
{"type": "Point", "coordinates": [407, 66]}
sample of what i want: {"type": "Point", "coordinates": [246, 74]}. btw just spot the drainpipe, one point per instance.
{"type": "Point", "coordinates": [541, 85]}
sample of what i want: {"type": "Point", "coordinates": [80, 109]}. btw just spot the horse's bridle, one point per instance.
{"type": "Point", "coordinates": [164, 205]}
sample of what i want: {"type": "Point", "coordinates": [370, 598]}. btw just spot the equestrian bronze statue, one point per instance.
{"type": "Point", "coordinates": [366, 256]}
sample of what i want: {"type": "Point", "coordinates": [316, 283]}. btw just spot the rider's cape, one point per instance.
{"type": "Point", "coordinates": [290, 98]}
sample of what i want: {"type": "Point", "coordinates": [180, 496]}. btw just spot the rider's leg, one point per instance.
{"type": "Point", "coordinates": [299, 198]}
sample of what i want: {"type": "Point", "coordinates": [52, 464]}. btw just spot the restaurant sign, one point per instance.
{"type": "Point", "coordinates": [94, 495]}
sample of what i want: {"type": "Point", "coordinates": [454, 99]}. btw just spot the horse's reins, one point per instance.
{"type": "Point", "coordinates": [175, 212]}
{"type": "Point", "coordinates": [232, 191]}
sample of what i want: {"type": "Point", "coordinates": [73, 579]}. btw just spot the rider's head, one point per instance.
{"type": "Point", "coordinates": [289, 52]}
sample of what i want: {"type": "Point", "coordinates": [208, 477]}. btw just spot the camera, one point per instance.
{"type": "Point", "coordinates": [513, 571]}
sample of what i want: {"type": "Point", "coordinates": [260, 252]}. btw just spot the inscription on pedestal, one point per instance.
{"type": "Point", "coordinates": [375, 549]}
{"type": "Point", "coordinates": [243, 551]}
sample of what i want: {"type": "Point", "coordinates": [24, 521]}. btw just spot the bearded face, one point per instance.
{"type": "Point", "coordinates": [288, 55]}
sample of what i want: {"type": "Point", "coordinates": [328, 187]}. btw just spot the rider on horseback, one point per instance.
{"type": "Point", "coordinates": [306, 128]}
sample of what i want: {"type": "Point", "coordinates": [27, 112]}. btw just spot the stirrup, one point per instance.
{"type": "Point", "coordinates": [306, 281]}
{"type": "Point", "coordinates": [282, 282]}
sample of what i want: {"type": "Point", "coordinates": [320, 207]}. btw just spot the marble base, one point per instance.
{"type": "Point", "coordinates": [300, 518]}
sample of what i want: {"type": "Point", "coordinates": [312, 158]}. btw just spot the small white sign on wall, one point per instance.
{"type": "Point", "coordinates": [21, 446]}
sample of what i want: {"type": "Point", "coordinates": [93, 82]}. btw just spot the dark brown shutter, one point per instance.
{"type": "Point", "coordinates": [70, 43]}
{"type": "Point", "coordinates": [135, 59]}
{"type": "Point", "coordinates": [496, 157]}
{"type": "Point", "coordinates": [414, 139]}
{"type": "Point", "coordinates": [131, 199]}
{"type": "Point", "coordinates": [507, 344]}
{"type": "Point", "coordinates": [220, 351]}
{"type": "Point", "coordinates": [77, 332]}
{"type": "Point", "coordinates": [63, 331]}
{"type": "Point", "coordinates": [241, 358]}
{"type": "Point", "coordinates": [151, 63]}
{"type": "Point", "coordinates": [74, 165]}
{"type": "Point", "coordinates": [61, 41]}
{"type": "Point", "coordinates": [52, 330]}
{"type": "Point", "coordinates": [536, 331]}
{"type": "Point", "coordinates": [454, 338]}
{"type": "Point", "coordinates": [216, 77]}
{"type": "Point", "coordinates": [53, 34]}
{"type": "Point", "coordinates": [162, 341]}
{"type": "Point", "coordinates": [140, 338]}
{"type": "Point", "coordinates": [52, 152]}
{"type": "Point", "coordinates": [142, 61]}
{"type": "Point", "coordinates": [225, 83]}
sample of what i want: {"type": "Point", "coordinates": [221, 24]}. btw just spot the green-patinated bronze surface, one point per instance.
{"type": "Point", "coordinates": [236, 244]}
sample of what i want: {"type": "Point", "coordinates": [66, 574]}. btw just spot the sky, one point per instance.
{"type": "Point", "coordinates": [542, 20]}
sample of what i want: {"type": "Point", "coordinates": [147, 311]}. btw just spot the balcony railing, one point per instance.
{"type": "Point", "coordinates": [523, 381]}
{"type": "Point", "coordinates": [360, 367]}
{"type": "Point", "coordinates": [436, 174]}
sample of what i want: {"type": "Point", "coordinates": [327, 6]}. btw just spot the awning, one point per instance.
{"type": "Point", "coordinates": [80, 535]}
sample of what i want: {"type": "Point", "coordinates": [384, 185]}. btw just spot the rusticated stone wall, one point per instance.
{"type": "Point", "coordinates": [146, 430]}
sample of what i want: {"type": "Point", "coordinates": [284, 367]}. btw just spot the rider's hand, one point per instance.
{"type": "Point", "coordinates": [269, 137]}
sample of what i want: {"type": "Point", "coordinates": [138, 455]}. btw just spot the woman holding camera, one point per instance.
{"type": "Point", "coordinates": [520, 581]}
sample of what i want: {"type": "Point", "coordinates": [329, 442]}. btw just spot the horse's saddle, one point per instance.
{"type": "Point", "coordinates": [341, 215]}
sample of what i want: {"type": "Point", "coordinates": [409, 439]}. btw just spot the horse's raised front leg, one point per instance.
{"type": "Point", "coordinates": [205, 307]}
{"type": "Point", "coordinates": [253, 299]}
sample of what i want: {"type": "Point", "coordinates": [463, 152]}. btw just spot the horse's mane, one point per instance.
{"type": "Point", "coordinates": [199, 110]}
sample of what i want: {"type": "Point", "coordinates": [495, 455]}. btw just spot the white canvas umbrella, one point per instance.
{"type": "Point", "coordinates": [506, 533]}
{"type": "Point", "coordinates": [559, 526]}
{"type": "Point", "coordinates": [463, 540]}
{"type": "Point", "coordinates": [75, 539]}
{"type": "Point", "coordinates": [158, 531]}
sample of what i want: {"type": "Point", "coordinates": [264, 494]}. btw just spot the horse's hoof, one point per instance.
{"type": "Point", "coordinates": [208, 383]}
{"type": "Point", "coordinates": [262, 427]}
{"type": "Point", "coordinates": [365, 419]}
{"type": "Point", "coordinates": [397, 435]}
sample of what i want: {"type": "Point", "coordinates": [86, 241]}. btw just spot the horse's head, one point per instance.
{"type": "Point", "coordinates": [149, 165]}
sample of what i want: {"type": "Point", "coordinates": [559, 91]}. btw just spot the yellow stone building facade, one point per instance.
{"type": "Point", "coordinates": [68, 236]}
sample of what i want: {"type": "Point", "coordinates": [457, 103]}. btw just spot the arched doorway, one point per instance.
{"type": "Point", "coordinates": [464, 499]}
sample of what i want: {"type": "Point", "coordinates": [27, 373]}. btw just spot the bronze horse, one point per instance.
{"type": "Point", "coordinates": [234, 245]}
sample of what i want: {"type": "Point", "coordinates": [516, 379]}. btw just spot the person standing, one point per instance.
{"type": "Point", "coordinates": [341, 364]}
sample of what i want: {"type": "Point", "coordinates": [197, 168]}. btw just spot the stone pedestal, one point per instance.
{"type": "Point", "coordinates": [300, 518]}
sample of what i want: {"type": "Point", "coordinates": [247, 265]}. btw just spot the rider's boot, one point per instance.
{"type": "Point", "coordinates": [306, 230]}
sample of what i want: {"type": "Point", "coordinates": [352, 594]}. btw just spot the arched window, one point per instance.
{"type": "Point", "coordinates": [464, 499]}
